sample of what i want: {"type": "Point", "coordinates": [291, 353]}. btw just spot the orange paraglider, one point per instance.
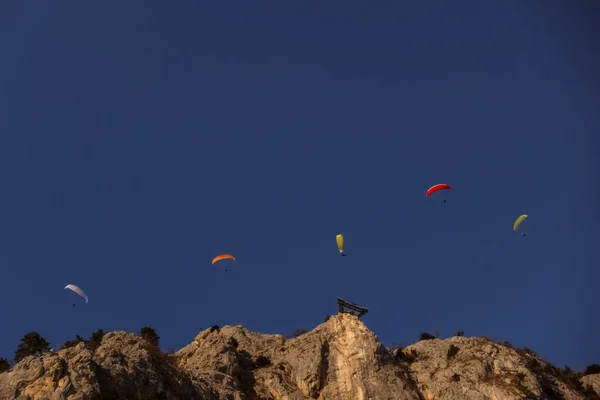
{"type": "Point", "coordinates": [223, 257]}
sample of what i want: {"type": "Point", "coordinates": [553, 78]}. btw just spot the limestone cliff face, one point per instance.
{"type": "Point", "coordinates": [339, 359]}
{"type": "Point", "coordinates": [477, 369]}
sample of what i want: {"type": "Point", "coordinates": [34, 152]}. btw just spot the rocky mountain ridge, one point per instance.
{"type": "Point", "coordinates": [339, 359]}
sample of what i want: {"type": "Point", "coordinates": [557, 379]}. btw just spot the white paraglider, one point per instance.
{"type": "Point", "coordinates": [77, 290]}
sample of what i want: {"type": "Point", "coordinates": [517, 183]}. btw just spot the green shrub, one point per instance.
{"type": "Point", "coordinates": [407, 357]}
{"type": "Point", "coordinates": [592, 369]}
{"type": "Point", "coordinates": [262, 361]}
{"type": "Point", "coordinates": [149, 335]}
{"type": "Point", "coordinates": [72, 343]}
{"type": "Point", "coordinates": [530, 352]}
{"type": "Point", "coordinates": [426, 336]}
{"type": "Point", "coordinates": [299, 332]}
{"type": "Point", "coordinates": [534, 366]}
{"type": "Point", "coordinates": [95, 340]}
{"type": "Point", "coordinates": [4, 365]}
{"type": "Point", "coordinates": [452, 352]}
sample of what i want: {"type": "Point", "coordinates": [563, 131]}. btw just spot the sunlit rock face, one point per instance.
{"type": "Point", "coordinates": [339, 359]}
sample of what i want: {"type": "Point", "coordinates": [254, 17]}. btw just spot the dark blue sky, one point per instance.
{"type": "Point", "coordinates": [140, 139]}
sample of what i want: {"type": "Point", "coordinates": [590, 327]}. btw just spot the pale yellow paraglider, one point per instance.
{"type": "Point", "coordinates": [340, 243]}
{"type": "Point", "coordinates": [518, 222]}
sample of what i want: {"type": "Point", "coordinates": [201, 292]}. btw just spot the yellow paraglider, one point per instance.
{"type": "Point", "coordinates": [340, 243]}
{"type": "Point", "coordinates": [518, 222]}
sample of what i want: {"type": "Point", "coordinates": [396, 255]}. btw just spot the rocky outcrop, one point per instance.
{"type": "Point", "coordinates": [592, 382]}
{"type": "Point", "coordinates": [339, 359]}
{"type": "Point", "coordinates": [477, 369]}
{"type": "Point", "coordinates": [124, 366]}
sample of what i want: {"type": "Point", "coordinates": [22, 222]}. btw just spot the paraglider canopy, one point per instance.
{"type": "Point", "coordinates": [436, 188]}
{"type": "Point", "coordinates": [77, 290]}
{"type": "Point", "coordinates": [340, 243]}
{"type": "Point", "coordinates": [518, 222]}
{"type": "Point", "coordinates": [223, 257]}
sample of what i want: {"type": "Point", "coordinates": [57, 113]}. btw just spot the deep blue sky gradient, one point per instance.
{"type": "Point", "coordinates": [139, 139]}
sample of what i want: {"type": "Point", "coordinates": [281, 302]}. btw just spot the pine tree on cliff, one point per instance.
{"type": "Point", "coordinates": [72, 343]}
{"type": "Point", "coordinates": [95, 340]}
{"type": "Point", "coordinates": [150, 336]}
{"type": "Point", "coordinates": [4, 365]}
{"type": "Point", "coordinates": [32, 344]}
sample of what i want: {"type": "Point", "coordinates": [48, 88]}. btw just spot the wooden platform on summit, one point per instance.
{"type": "Point", "coordinates": [350, 308]}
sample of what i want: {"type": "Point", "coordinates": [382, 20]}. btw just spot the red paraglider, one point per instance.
{"type": "Point", "coordinates": [435, 188]}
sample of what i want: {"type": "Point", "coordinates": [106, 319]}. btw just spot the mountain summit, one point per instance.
{"type": "Point", "coordinates": [339, 359]}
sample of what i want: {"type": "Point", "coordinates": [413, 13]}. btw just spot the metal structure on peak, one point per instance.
{"type": "Point", "coordinates": [350, 308]}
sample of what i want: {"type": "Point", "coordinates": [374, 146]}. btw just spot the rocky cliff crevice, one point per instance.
{"type": "Point", "coordinates": [339, 359]}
